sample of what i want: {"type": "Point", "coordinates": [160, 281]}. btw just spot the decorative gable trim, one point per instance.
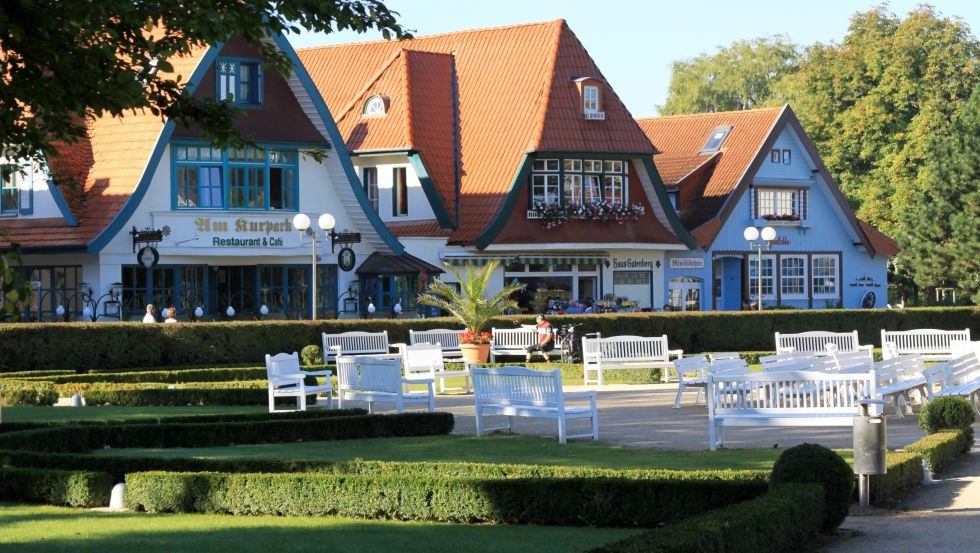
{"type": "Point", "coordinates": [59, 200]}
{"type": "Point", "coordinates": [662, 210]}
{"type": "Point", "coordinates": [499, 221]}
{"type": "Point", "coordinates": [431, 194]}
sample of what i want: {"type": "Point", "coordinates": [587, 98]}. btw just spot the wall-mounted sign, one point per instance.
{"type": "Point", "coordinates": [630, 263]}
{"type": "Point", "coordinates": [686, 263]}
{"type": "Point", "coordinates": [148, 256]}
{"type": "Point", "coordinates": [346, 259]}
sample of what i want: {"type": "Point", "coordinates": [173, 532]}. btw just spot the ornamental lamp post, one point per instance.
{"type": "Point", "coordinates": [326, 222]}
{"type": "Point", "coordinates": [753, 235]}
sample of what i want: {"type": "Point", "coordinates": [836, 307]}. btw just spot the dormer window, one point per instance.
{"type": "Point", "coordinates": [375, 106]}
{"type": "Point", "coordinates": [590, 92]}
{"type": "Point", "coordinates": [716, 138]}
{"type": "Point", "coordinates": [238, 81]}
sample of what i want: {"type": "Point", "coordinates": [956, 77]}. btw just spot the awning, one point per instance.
{"type": "Point", "coordinates": [388, 264]}
{"type": "Point", "coordinates": [569, 259]}
{"type": "Point", "coordinates": [476, 259]}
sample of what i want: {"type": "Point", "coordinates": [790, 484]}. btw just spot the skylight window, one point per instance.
{"type": "Point", "coordinates": [716, 138]}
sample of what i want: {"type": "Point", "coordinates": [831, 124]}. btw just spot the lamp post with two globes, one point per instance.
{"type": "Point", "coordinates": [753, 235]}
{"type": "Point", "coordinates": [326, 222]}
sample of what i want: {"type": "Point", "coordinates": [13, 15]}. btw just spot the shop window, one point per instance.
{"type": "Point", "coordinates": [685, 294]}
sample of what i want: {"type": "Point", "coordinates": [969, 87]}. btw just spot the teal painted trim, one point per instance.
{"type": "Point", "coordinates": [134, 200]}
{"type": "Point", "coordinates": [507, 208]}
{"type": "Point", "coordinates": [429, 187]}
{"type": "Point", "coordinates": [59, 200]}
{"type": "Point", "coordinates": [617, 156]}
{"type": "Point", "coordinates": [340, 148]}
{"type": "Point", "coordinates": [675, 221]}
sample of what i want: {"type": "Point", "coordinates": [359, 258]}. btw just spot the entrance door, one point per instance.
{"type": "Point", "coordinates": [729, 271]}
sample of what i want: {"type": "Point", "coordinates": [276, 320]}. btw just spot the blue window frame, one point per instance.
{"type": "Point", "coordinates": [15, 189]}
{"type": "Point", "coordinates": [239, 81]}
{"type": "Point", "coordinates": [259, 178]}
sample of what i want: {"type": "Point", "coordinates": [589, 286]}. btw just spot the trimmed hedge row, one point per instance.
{"type": "Point", "coordinates": [79, 438]}
{"type": "Point", "coordinates": [55, 487]}
{"type": "Point", "coordinates": [780, 520]}
{"type": "Point", "coordinates": [27, 346]}
{"type": "Point", "coordinates": [942, 448]}
{"type": "Point", "coordinates": [624, 500]}
{"type": "Point", "coordinates": [27, 392]}
{"type": "Point", "coordinates": [166, 377]}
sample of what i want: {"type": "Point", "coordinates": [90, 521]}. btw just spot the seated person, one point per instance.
{"type": "Point", "coordinates": [546, 339]}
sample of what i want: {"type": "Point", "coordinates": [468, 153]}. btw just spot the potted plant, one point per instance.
{"type": "Point", "coordinates": [471, 305]}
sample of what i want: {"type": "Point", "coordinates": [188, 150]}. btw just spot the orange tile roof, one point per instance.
{"type": "Point", "coordinates": [429, 227]}
{"type": "Point", "coordinates": [515, 94]}
{"type": "Point", "coordinates": [106, 166]}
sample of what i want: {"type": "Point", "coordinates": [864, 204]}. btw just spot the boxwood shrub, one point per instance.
{"type": "Point", "coordinates": [55, 487]}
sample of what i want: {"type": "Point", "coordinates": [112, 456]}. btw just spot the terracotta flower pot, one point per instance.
{"type": "Point", "coordinates": [475, 353]}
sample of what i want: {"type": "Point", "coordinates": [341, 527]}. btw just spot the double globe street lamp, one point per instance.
{"type": "Point", "coordinates": [326, 222]}
{"type": "Point", "coordinates": [753, 235]}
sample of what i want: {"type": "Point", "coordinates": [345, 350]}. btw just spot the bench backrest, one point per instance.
{"type": "Point", "coordinates": [799, 391]}
{"type": "Point", "coordinates": [851, 360]}
{"type": "Point", "coordinates": [724, 355]}
{"type": "Point", "coordinates": [788, 361]}
{"type": "Point", "coordinates": [370, 374]}
{"type": "Point", "coordinates": [815, 341]}
{"type": "Point", "coordinates": [422, 360]}
{"type": "Point", "coordinates": [281, 364]}
{"type": "Point", "coordinates": [447, 339]}
{"type": "Point", "coordinates": [932, 343]}
{"type": "Point", "coordinates": [960, 348]}
{"type": "Point", "coordinates": [354, 342]}
{"type": "Point", "coordinates": [518, 386]}
{"type": "Point", "coordinates": [626, 347]}
{"type": "Point", "coordinates": [695, 365]}
{"type": "Point", "coordinates": [516, 338]}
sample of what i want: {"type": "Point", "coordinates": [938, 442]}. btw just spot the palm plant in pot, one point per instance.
{"type": "Point", "coordinates": [471, 305]}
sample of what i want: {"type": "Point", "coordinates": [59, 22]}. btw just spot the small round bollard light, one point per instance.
{"type": "Point", "coordinates": [117, 496]}
{"type": "Point", "coordinates": [371, 307]}
{"type": "Point", "coordinates": [264, 310]}
{"type": "Point", "coordinates": [199, 312]}
{"type": "Point", "coordinates": [60, 310]}
{"type": "Point", "coordinates": [230, 311]}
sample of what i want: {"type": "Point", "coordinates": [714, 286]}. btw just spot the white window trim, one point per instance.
{"type": "Point", "coordinates": [783, 277]}
{"type": "Point", "coordinates": [754, 278]}
{"type": "Point", "coordinates": [837, 277]}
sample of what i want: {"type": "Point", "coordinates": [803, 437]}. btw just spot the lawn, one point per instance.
{"type": "Point", "coordinates": [42, 529]}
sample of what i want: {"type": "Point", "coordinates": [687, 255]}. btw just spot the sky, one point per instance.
{"type": "Point", "coordinates": [634, 42]}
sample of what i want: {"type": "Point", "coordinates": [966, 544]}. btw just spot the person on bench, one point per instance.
{"type": "Point", "coordinates": [546, 339]}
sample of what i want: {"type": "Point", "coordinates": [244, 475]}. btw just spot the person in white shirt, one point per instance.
{"type": "Point", "coordinates": [150, 316]}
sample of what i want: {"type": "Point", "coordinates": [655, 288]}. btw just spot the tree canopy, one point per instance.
{"type": "Point", "coordinates": [63, 62]}
{"type": "Point", "coordinates": [738, 77]}
{"type": "Point", "coordinates": [943, 231]}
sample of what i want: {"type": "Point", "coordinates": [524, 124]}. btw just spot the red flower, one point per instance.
{"type": "Point", "coordinates": [470, 337]}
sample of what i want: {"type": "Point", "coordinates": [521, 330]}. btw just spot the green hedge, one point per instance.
{"type": "Point", "coordinates": [784, 519]}
{"type": "Point", "coordinates": [27, 392]}
{"type": "Point", "coordinates": [78, 438]}
{"type": "Point", "coordinates": [942, 448]}
{"type": "Point", "coordinates": [55, 487]}
{"type": "Point", "coordinates": [414, 493]}
{"type": "Point", "coordinates": [32, 346]}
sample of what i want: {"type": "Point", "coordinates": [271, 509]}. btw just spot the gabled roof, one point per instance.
{"type": "Point", "coordinates": [709, 184]}
{"type": "Point", "coordinates": [98, 174]}
{"type": "Point", "coordinates": [511, 90]}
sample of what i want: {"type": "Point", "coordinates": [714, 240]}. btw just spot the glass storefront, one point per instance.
{"type": "Point", "coordinates": [553, 286]}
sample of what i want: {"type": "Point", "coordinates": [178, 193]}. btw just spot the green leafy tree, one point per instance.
{"type": "Point", "coordinates": [66, 62]}
{"type": "Point", "coordinates": [943, 231]}
{"type": "Point", "coordinates": [738, 77]}
{"type": "Point", "coordinates": [14, 291]}
{"type": "Point", "coordinates": [872, 103]}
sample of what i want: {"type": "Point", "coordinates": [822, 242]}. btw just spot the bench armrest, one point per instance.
{"type": "Point", "coordinates": [866, 347]}
{"type": "Point", "coordinates": [318, 373]}
{"type": "Point", "coordinates": [675, 353]}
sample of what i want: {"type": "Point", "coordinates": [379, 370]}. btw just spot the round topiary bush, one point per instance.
{"type": "Point", "coordinates": [946, 412]}
{"type": "Point", "coordinates": [311, 355]}
{"type": "Point", "coordinates": [812, 463]}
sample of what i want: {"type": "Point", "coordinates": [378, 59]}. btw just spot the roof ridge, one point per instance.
{"type": "Point", "coordinates": [436, 35]}
{"type": "Point", "coordinates": [711, 113]}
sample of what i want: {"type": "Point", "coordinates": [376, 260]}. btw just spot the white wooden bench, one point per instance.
{"type": "Point", "coordinates": [354, 343]}
{"type": "Point", "coordinates": [790, 398]}
{"type": "Point", "coordinates": [898, 378]}
{"type": "Point", "coordinates": [425, 361]}
{"type": "Point", "coordinates": [509, 342]}
{"type": "Point", "coordinates": [930, 343]}
{"type": "Point", "coordinates": [692, 372]}
{"type": "Point", "coordinates": [447, 339]}
{"type": "Point", "coordinates": [815, 342]}
{"type": "Point", "coordinates": [379, 380]}
{"type": "Point", "coordinates": [787, 361]}
{"type": "Point", "coordinates": [626, 352]}
{"type": "Point", "coordinates": [957, 377]}
{"type": "Point", "coordinates": [286, 379]}
{"type": "Point", "coordinates": [523, 392]}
